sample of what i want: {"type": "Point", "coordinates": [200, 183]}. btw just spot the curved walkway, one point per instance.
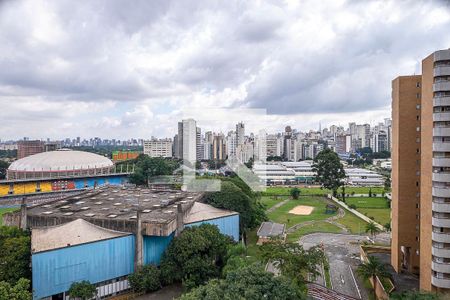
{"type": "Point", "coordinates": [331, 220]}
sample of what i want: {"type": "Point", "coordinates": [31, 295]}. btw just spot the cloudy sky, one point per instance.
{"type": "Point", "coordinates": [120, 69]}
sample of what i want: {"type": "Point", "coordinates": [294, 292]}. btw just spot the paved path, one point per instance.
{"type": "Point", "coordinates": [277, 205]}
{"type": "Point", "coordinates": [342, 251]}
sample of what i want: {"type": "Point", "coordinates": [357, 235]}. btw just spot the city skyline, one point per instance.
{"type": "Point", "coordinates": [123, 73]}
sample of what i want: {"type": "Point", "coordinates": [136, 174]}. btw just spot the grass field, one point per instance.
{"type": "Point", "coordinates": [366, 202]}
{"type": "Point", "coordinates": [5, 210]}
{"type": "Point", "coordinates": [270, 201]}
{"type": "Point", "coordinates": [316, 227]}
{"type": "Point", "coordinates": [353, 223]}
{"type": "Point", "coordinates": [380, 215]}
{"type": "Point", "coordinates": [318, 191]}
{"type": "Point", "coordinates": [282, 215]}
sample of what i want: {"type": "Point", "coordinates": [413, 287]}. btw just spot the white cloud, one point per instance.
{"type": "Point", "coordinates": [109, 69]}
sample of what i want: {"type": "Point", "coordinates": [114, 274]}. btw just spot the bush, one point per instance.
{"type": "Point", "coordinates": [352, 206]}
{"type": "Point", "coordinates": [83, 290]}
{"type": "Point", "coordinates": [146, 279]}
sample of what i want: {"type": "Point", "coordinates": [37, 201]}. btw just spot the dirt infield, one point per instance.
{"type": "Point", "coordinates": [302, 210]}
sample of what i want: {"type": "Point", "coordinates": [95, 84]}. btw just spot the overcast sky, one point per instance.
{"type": "Point", "coordinates": [120, 69]}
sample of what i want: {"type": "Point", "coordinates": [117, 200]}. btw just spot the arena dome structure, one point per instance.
{"type": "Point", "coordinates": [59, 163]}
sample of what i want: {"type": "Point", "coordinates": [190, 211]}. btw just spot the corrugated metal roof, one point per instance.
{"type": "Point", "coordinates": [270, 229]}
{"type": "Point", "coordinates": [73, 233]}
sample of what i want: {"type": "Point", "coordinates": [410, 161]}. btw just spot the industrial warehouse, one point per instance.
{"type": "Point", "coordinates": [102, 235]}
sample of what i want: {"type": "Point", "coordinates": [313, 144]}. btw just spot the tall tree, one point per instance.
{"type": "Point", "coordinates": [14, 254]}
{"type": "Point", "coordinates": [145, 279]}
{"type": "Point", "coordinates": [371, 269]}
{"type": "Point", "coordinates": [248, 282]}
{"type": "Point", "coordinates": [195, 256]}
{"type": "Point", "coordinates": [146, 167]}
{"type": "Point", "coordinates": [293, 260]}
{"type": "Point", "coordinates": [413, 295]}
{"type": "Point", "coordinates": [19, 291]}
{"type": "Point", "coordinates": [373, 229]}
{"type": "Point", "coordinates": [3, 167]}
{"type": "Point", "coordinates": [295, 193]}
{"type": "Point", "coordinates": [329, 170]}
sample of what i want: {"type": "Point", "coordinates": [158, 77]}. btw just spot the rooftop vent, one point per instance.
{"type": "Point", "coordinates": [105, 208]}
{"type": "Point", "coordinates": [47, 212]}
{"type": "Point", "coordinates": [112, 216]}
{"type": "Point", "coordinates": [84, 208]}
{"type": "Point", "coordinates": [146, 211]}
{"type": "Point", "coordinates": [79, 202]}
{"type": "Point", "coordinates": [65, 207]}
{"type": "Point", "coordinates": [46, 205]}
{"type": "Point", "coordinates": [89, 215]}
{"type": "Point", "coordinates": [133, 217]}
{"type": "Point", "coordinates": [117, 204]}
{"type": "Point", "coordinates": [156, 206]}
{"type": "Point", "coordinates": [190, 197]}
{"type": "Point", "coordinates": [98, 203]}
{"type": "Point", "coordinates": [111, 198]}
{"type": "Point", "coordinates": [68, 214]}
{"type": "Point", "coordinates": [168, 211]}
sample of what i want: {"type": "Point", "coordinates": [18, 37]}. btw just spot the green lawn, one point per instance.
{"type": "Point", "coordinates": [6, 210]}
{"type": "Point", "coordinates": [353, 223]}
{"type": "Point", "coordinates": [282, 215]}
{"type": "Point", "coordinates": [280, 190]}
{"type": "Point", "coordinates": [366, 202]}
{"type": "Point", "coordinates": [270, 201]}
{"type": "Point", "coordinates": [316, 227]}
{"type": "Point", "coordinates": [380, 215]}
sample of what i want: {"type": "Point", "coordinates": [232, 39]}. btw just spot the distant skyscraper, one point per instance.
{"type": "Point", "coordinates": [26, 148]}
{"type": "Point", "coordinates": [187, 140]}
{"type": "Point", "coordinates": [240, 133]}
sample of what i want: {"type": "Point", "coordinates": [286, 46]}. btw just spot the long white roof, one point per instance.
{"type": "Point", "coordinates": [60, 160]}
{"type": "Point", "coordinates": [69, 234]}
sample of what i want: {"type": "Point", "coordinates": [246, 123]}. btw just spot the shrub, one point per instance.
{"type": "Point", "coordinates": [146, 279]}
{"type": "Point", "coordinates": [352, 206]}
{"type": "Point", "coordinates": [83, 289]}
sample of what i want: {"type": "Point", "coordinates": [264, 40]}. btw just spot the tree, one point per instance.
{"type": "Point", "coordinates": [387, 226]}
{"type": "Point", "coordinates": [387, 184]}
{"type": "Point", "coordinates": [248, 282]}
{"type": "Point", "coordinates": [195, 256]}
{"type": "Point", "coordinates": [14, 255]}
{"type": "Point", "coordinates": [295, 193]}
{"type": "Point", "coordinates": [83, 290]}
{"type": "Point", "coordinates": [370, 192]}
{"type": "Point", "coordinates": [233, 198]}
{"type": "Point", "coordinates": [373, 229]}
{"type": "Point", "coordinates": [146, 167]}
{"type": "Point", "coordinates": [371, 269]}
{"type": "Point", "coordinates": [329, 170]}
{"type": "Point", "coordinates": [146, 279]}
{"type": "Point", "coordinates": [18, 291]}
{"type": "Point", "coordinates": [250, 163]}
{"type": "Point", "coordinates": [292, 260]}
{"type": "Point", "coordinates": [3, 167]}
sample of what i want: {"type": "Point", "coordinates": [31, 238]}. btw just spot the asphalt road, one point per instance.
{"type": "Point", "coordinates": [343, 255]}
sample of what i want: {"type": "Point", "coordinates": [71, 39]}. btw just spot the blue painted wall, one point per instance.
{"type": "Point", "coordinates": [154, 247]}
{"type": "Point", "coordinates": [113, 180]}
{"type": "Point", "coordinates": [227, 225]}
{"type": "Point", "coordinates": [54, 271]}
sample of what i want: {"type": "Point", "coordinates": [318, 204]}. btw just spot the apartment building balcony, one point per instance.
{"type": "Point", "coordinates": [440, 207]}
{"type": "Point", "coordinates": [441, 177]}
{"type": "Point", "coordinates": [441, 146]}
{"type": "Point", "coordinates": [441, 116]}
{"type": "Point", "coordinates": [441, 162]}
{"type": "Point", "coordinates": [440, 222]}
{"type": "Point", "coordinates": [441, 86]}
{"type": "Point", "coordinates": [440, 252]}
{"type": "Point", "coordinates": [440, 282]}
{"type": "Point", "coordinates": [443, 192]}
{"type": "Point", "coordinates": [440, 267]}
{"type": "Point", "coordinates": [440, 237]}
{"type": "Point", "coordinates": [441, 55]}
{"type": "Point", "coordinates": [441, 131]}
{"type": "Point", "coordinates": [441, 71]}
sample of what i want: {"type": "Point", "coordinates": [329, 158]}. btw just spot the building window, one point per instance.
{"type": "Point", "coordinates": [417, 106]}
{"type": "Point", "coordinates": [418, 128]}
{"type": "Point", "coordinates": [417, 84]}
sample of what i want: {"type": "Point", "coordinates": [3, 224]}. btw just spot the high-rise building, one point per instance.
{"type": "Point", "coordinates": [240, 133]}
{"type": "Point", "coordinates": [199, 144]}
{"type": "Point", "coordinates": [405, 173]}
{"type": "Point", "coordinates": [187, 140]}
{"type": "Point", "coordinates": [218, 146]}
{"type": "Point", "coordinates": [26, 148]}
{"type": "Point", "coordinates": [421, 173]}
